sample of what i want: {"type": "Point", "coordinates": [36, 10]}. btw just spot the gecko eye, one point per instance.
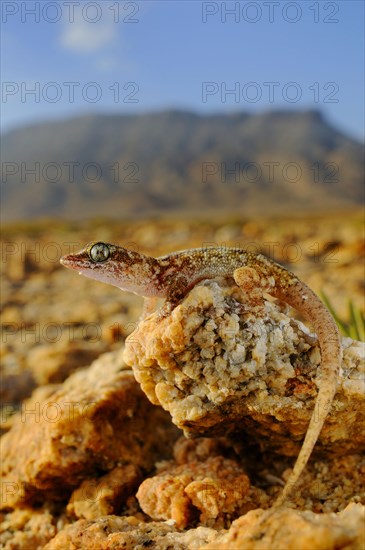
{"type": "Point", "coordinates": [99, 252]}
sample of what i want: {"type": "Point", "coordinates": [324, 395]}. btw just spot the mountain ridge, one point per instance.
{"type": "Point", "coordinates": [118, 165]}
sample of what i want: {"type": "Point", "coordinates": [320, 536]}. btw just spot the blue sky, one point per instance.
{"type": "Point", "coordinates": [136, 56]}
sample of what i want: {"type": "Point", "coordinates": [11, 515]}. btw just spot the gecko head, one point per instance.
{"type": "Point", "coordinates": [108, 263]}
{"type": "Point", "coordinates": [101, 261]}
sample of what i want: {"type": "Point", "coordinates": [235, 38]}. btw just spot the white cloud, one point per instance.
{"type": "Point", "coordinates": [82, 36]}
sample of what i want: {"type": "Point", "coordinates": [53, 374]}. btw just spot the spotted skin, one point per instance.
{"type": "Point", "coordinates": [172, 276]}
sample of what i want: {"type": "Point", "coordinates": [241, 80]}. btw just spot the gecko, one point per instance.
{"type": "Point", "coordinates": [172, 276]}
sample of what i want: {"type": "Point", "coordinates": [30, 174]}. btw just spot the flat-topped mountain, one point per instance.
{"type": "Point", "coordinates": [173, 161]}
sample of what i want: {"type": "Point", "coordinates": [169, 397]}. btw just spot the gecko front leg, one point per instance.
{"type": "Point", "coordinates": [287, 287]}
{"type": "Point", "coordinates": [177, 285]}
{"type": "Point", "coordinates": [149, 306]}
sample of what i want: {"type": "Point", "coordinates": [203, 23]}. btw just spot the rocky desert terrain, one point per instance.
{"type": "Point", "coordinates": [90, 459]}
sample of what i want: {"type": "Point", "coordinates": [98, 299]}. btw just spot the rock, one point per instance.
{"type": "Point", "coordinates": [291, 529]}
{"type": "Point", "coordinates": [217, 489]}
{"type": "Point", "coordinates": [16, 387]}
{"type": "Point", "coordinates": [215, 481]}
{"type": "Point", "coordinates": [106, 494]}
{"type": "Point", "coordinates": [11, 315]}
{"type": "Point", "coordinates": [218, 368]}
{"type": "Point", "coordinates": [129, 533]}
{"type": "Point", "coordinates": [27, 528]}
{"type": "Point", "coordinates": [328, 484]}
{"type": "Point", "coordinates": [84, 449]}
{"type": "Point", "coordinates": [52, 363]}
{"type": "Point", "coordinates": [96, 421]}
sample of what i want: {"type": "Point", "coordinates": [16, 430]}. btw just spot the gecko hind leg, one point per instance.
{"type": "Point", "coordinates": [253, 287]}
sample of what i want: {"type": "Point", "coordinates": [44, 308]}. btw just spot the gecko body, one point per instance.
{"type": "Point", "coordinates": [173, 275]}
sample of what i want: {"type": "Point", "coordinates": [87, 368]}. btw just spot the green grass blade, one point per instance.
{"type": "Point", "coordinates": [357, 321]}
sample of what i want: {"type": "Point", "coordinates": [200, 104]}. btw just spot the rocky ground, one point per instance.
{"type": "Point", "coordinates": [89, 462]}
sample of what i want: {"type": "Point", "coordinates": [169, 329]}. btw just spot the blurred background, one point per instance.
{"type": "Point", "coordinates": [125, 109]}
{"type": "Point", "coordinates": [164, 125]}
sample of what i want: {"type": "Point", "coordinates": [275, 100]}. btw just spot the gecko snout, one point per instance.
{"type": "Point", "coordinates": [66, 261]}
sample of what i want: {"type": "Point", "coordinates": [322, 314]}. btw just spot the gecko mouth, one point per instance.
{"type": "Point", "coordinates": [71, 262]}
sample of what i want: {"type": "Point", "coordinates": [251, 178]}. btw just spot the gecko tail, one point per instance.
{"type": "Point", "coordinates": [322, 407]}
{"type": "Point", "coordinates": [308, 303]}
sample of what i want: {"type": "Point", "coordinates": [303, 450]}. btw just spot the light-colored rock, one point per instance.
{"type": "Point", "coordinates": [293, 530]}
{"type": "Point", "coordinates": [216, 368]}
{"type": "Point", "coordinates": [129, 533]}
{"type": "Point", "coordinates": [26, 528]}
